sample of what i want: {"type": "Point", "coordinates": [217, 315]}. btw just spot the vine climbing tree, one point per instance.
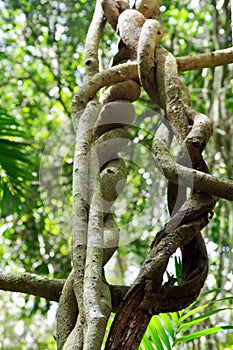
{"type": "Point", "coordinates": [99, 175]}
{"type": "Point", "coordinates": [102, 111]}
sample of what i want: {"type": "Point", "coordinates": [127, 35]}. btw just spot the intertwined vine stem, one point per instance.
{"type": "Point", "coordinates": [99, 176]}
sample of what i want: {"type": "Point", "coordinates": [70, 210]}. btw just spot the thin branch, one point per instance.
{"type": "Point", "coordinates": [182, 175]}
{"type": "Point", "coordinates": [81, 193]}
{"type": "Point", "coordinates": [107, 77]}
{"type": "Point", "coordinates": [96, 310]}
{"type": "Point", "coordinates": [170, 92]}
{"type": "Point", "coordinates": [44, 287]}
{"type": "Point", "coordinates": [151, 34]}
{"type": "Point", "coordinates": [92, 42]}
{"type": "Point", "coordinates": [129, 70]}
{"type": "Point", "coordinates": [48, 288]}
{"type": "Point", "coordinates": [67, 311]}
{"type": "Point", "coordinates": [205, 60]}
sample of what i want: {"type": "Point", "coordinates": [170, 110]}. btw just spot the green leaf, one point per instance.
{"type": "Point", "coordinates": [15, 170]}
{"type": "Point", "coordinates": [146, 343]}
{"type": "Point", "coordinates": [178, 269]}
{"type": "Point", "coordinates": [199, 334]}
{"type": "Point", "coordinates": [155, 338]}
{"type": "Point", "coordinates": [200, 319]}
{"type": "Point", "coordinates": [42, 268]}
{"type": "Point", "coordinates": [175, 318]}
{"type": "Point", "coordinates": [192, 312]}
{"type": "Point", "coordinates": [202, 295]}
{"type": "Point", "coordinates": [168, 324]}
{"type": "Point", "coordinates": [9, 202]}
{"type": "Point", "coordinates": [155, 324]}
{"type": "Point", "coordinates": [221, 299]}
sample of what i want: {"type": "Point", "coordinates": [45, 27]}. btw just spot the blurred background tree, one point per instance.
{"type": "Point", "coordinates": [41, 51]}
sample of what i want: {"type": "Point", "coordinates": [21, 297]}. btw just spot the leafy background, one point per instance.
{"type": "Point", "coordinates": [41, 65]}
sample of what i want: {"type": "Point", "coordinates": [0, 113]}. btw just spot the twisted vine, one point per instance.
{"type": "Point", "coordinates": [149, 295]}
{"type": "Point", "coordinates": [99, 176]}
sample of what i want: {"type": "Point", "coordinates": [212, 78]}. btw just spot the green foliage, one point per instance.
{"type": "Point", "coordinates": [172, 330]}
{"type": "Point", "coordinates": [24, 327]}
{"type": "Point", "coordinates": [167, 331]}
{"type": "Point", "coordinates": [16, 164]}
